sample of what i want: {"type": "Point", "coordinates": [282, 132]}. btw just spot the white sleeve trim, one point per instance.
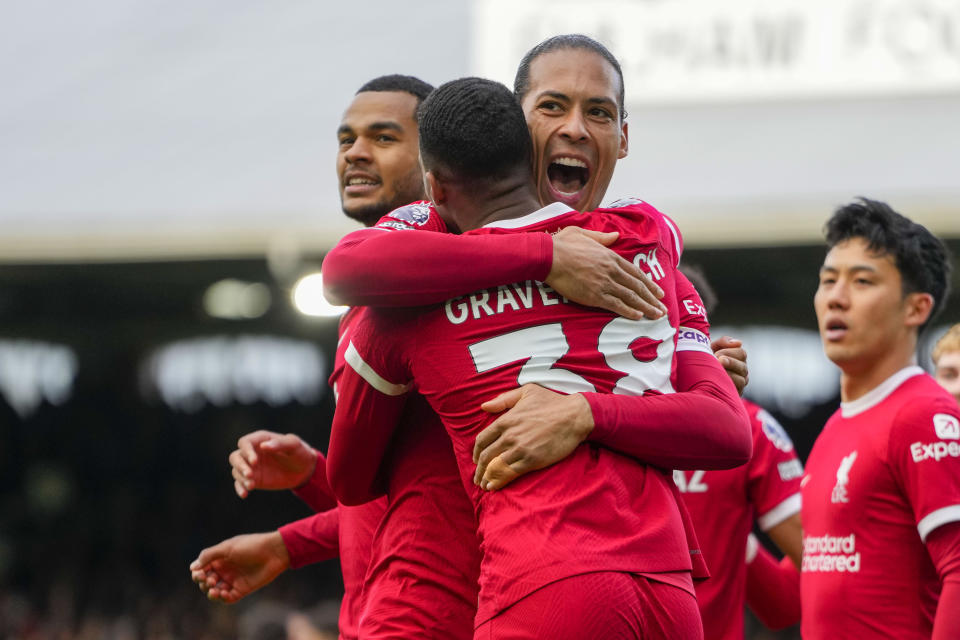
{"type": "Point", "coordinates": [676, 237]}
{"type": "Point", "coordinates": [936, 519]}
{"type": "Point", "coordinates": [352, 356]}
{"type": "Point", "coordinates": [779, 513]}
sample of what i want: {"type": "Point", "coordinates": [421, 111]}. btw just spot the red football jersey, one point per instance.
{"type": "Point", "coordinates": [724, 504]}
{"type": "Point", "coordinates": [596, 510]}
{"type": "Point", "coordinates": [882, 475]}
{"type": "Point", "coordinates": [410, 561]}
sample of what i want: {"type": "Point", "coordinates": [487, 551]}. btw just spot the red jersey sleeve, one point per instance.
{"type": "Point", "coordinates": [944, 547]}
{"type": "Point", "coordinates": [773, 588]}
{"type": "Point", "coordinates": [923, 450]}
{"type": "Point", "coordinates": [312, 539]}
{"type": "Point", "coordinates": [380, 267]}
{"type": "Point", "coordinates": [668, 430]}
{"type": "Point", "coordinates": [774, 471]}
{"type": "Point", "coordinates": [316, 491]}
{"type": "Point", "coordinates": [373, 389]}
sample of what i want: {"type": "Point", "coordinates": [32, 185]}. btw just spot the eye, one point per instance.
{"type": "Point", "coordinates": [863, 281]}
{"type": "Point", "coordinates": [386, 137]}
{"type": "Point", "coordinates": [550, 106]}
{"type": "Point", "coordinates": [600, 113]}
{"type": "Point", "coordinates": [345, 141]}
{"type": "Point", "coordinates": [827, 280]}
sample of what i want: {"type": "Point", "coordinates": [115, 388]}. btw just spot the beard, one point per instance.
{"type": "Point", "coordinates": [409, 188]}
{"type": "Point", "coordinates": [369, 214]}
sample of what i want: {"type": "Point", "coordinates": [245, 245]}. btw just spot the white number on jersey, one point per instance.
{"type": "Point", "coordinates": [543, 345]}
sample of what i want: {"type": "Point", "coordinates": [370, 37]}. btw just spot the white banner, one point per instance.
{"type": "Point", "coordinates": [704, 50]}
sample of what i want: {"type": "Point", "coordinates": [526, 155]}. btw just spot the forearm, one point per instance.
{"type": "Point", "coordinates": [316, 491]}
{"type": "Point", "coordinates": [312, 539]}
{"type": "Point", "coordinates": [703, 427]}
{"type": "Point", "coordinates": [374, 267]}
{"type": "Point", "coordinates": [773, 590]}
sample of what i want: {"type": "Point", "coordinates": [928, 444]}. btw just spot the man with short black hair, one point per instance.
{"type": "Point", "coordinates": [881, 492]}
{"type": "Point", "coordinates": [600, 531]}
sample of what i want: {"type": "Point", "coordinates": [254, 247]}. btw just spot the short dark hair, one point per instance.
{"type": "Point", "coordinates": [474, 129]}
{"type": "Point", "coordinates": [521, 83]}
{"type": "Point", "coordinates": [396, 82]}
{"type": "Point", "coordinates": [920, 257]}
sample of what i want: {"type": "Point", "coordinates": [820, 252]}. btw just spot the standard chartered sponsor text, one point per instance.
{"type": "Point", "coordinates": [830, 553]}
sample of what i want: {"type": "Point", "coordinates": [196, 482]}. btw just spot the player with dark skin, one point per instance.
{"type": "Point", "coordinates": [571, 91]}
{"type": "Point", "coordinates": [378, 171]}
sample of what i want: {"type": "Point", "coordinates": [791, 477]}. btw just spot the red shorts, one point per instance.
{"type": "Point", "coordinates": [608, 604]}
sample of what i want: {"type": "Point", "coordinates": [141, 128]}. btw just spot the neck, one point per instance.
{"type": "Point", "coordinates": [858, 379]}
{"type": "Point", "coordinates": [503, 200]}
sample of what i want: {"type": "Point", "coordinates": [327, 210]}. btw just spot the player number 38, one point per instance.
{"type": "Point", "coordinates": [543, 345]}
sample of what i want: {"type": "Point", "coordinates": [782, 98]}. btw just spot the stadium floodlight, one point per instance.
{"type": "Point", "coordinates": [308, 297]}
{"type": "Point", "coordinates": [232, 299]}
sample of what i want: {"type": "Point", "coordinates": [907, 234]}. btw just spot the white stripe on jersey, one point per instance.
{"type": "Point", "coordinates": [780, 513]}
{"type": "Point", "coordinates": [372, 377]}
{"type": "Point", "coordinates": [676, 237]}
{"type": "Point", "coordinates": [936, 519]}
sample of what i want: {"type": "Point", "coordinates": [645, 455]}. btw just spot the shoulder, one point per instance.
{"type": "Point", "coordinates": [925, 409]}
{"type": "Point", "coordinates": [638, 207]}
{"type": "Point", "coordinates": [416, 215]}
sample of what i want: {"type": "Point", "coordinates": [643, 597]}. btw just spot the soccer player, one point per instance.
{"type": "Point", "coordinates": [599, 524]}
{"type": "Point", "coordinates": [409, 564]}
{"type": "Point", "coordinates": [946, 361]}
{"type": "Point", "coordinates": [724, 505]}
{"type": "Point", "coordinates": [881, 492]}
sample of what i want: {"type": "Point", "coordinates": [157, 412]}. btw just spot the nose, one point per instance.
{"type": "Point", "coordinates": [359, 151]}
{"type": "Point", "coordinates": [574, 127]}
{"type": "Point", "coordinates": [838, 295]}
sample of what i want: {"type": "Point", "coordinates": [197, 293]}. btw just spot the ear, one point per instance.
{"type": "Point", "coordinates": [918, 307]}
{"type": "Point", "coordinates": [624, 145]}
{"type": "Point", "coordinates": [436, 192]}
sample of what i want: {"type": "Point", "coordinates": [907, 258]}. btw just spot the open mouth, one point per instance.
{"type": "Point", "coordinates": [358, 185]}
{"type": "Point", "coordinates": [568, 176]}
{"type": "Point", "coordinates": [835, 330]}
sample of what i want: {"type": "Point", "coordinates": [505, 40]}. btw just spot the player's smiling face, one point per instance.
{"type": "Point", "coordinates": [947, 372]}
{"type": "Point", "coordinates": [377, 165]}
{"type": "Point", "coordinates": [573, 111]}
{"type": "Point", "coordinates": [861, 310]}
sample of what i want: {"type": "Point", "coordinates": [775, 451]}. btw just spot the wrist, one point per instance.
{"type": "Point", "coordinates": [278, 549]}
{"type": "Point", "coordinates": [583, 415]}
{"type": "Point", "coordinates": [311, 470]}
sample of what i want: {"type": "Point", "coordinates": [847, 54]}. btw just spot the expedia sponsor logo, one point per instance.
{"type": "Point", "coordinates": [935, 451]}
{"type": "Point", "coordinates": [946, 426]}
{"type": "Point", "coordinates": [830, 553]}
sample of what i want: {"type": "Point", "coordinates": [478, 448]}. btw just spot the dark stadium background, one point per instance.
{"type": "Point", "coordinates": [143, 143]}
{"type": "Point", "coordinates": [106, 498]}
